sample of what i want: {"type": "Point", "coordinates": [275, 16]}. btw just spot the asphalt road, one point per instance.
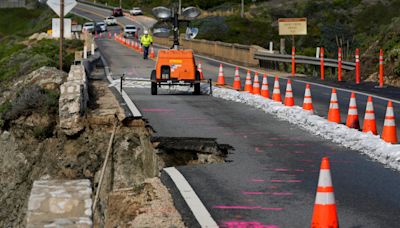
{"type": "Point", "coordinates": [272, 173]}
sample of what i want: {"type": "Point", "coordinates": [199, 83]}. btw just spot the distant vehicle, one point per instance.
{"type": "Point", "coordinates": [103, 26]}
{"type": "Point", "coordinates": [117, 12]}
{"type": "Point", "coordinates": [110, 20]}
{"type": "Point", "coordinates": [88, 27]}
{"type": "Point", "coordinates": [136, 11]}
{"type": "Point", "coordinates": [129, 31]}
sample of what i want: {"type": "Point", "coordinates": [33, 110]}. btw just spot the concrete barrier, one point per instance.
{"type": "Point", "coordinates": [235, 53]}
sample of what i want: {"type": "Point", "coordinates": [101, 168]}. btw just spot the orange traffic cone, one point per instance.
{"type": "Point", "coordinates": [200, 71]}
{"type": "Point", "coordinates": [236, 81]}
{"type": "Point", "coordinates": [256, 85]}
{"type": "Point", "coordinates": [352, 116]}
{"type": "Point", "coordinates": [140, 48]}
{"type": "Point", "coordinates": [152, 55]}
{"type": "Point", "coordinates": [307, 103]}
{"type": "Point", "coordinates": [389, 133]}
{"type": "Point", "coordinates": [221, 78]}
{"type": "Point", "coordinates": [325, 213]}
{"type": "Point", "coordinates": [289, 100]}
{"type": "Point", "coordinates": [369, 118]}
{"type": "Point", "coordinates": [334, 113]}
{"type": "Point", "coordinates": [133, 44]}
{"type": "Point", "coordinates": [276, 93]}
{"type": "Point", "coordinates": [248, 87]}
{"type": "Point", "coordinates": [264, 87]}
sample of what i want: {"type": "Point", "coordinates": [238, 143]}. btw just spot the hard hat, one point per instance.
{"type": "Point", "coordinates": [145, 32]}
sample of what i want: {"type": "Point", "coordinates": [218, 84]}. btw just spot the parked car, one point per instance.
{"type": "Point", "coordinates": [103, 26]}
{"type": "Point", "coordinates": [117, 12]}
{"type": "Point", "coordinates": [110, 20]}
{"type": "Point", "coordinates": [88, 27]}
{"type": "Point", "coordinates": [129, 31]}
{"type": "Point", "coordinates": [135, 11]}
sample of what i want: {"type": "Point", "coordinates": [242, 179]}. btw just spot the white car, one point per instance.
{"type": "Point", "coordinates": [103, 26]}
{"type": "Point", "coordinates": [88, 27]}
{"type": "Point", "coordinates": [130, 31]}
{"type": "Point", "coordinates": [110, 20]}
{"type": "Point", "coordinates": [135, 11]}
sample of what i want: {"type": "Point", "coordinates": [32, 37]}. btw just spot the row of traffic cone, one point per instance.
{"type": "Point", "coordinates": [133, 44]}
{"type": "Point", "coordinates": [389, 133]}
{"type": "Point", "coordinates": [106, 35]}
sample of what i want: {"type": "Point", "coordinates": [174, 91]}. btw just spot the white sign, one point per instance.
{"type": "Point", "coordinates": [292, 26]}
{"type": "Point", "coordinates": [55, 6]}
{"type": "Point", "coordinates": [56, 28]}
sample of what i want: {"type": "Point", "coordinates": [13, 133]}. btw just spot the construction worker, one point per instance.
{"type": "Point", "coordinates": [146, 40]}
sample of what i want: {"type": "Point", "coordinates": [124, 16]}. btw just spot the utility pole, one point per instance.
{"type": "Point", "coordinates": [61, 32]}
{"type": "Point", "coordinates": [120, 4]}
{"type": "Point", "coordinates": [242, 9]}
{"type": "Point", "coordinates": [180, 7]}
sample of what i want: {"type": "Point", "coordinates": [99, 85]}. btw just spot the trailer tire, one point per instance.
{"type": "Point", "coordinates": [153, 83]}
{"type": "Point", "coordinates": [197, 85]}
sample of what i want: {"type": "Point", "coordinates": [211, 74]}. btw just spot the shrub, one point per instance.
{"type": "Point", "coordinates": [30, 100]}
{"type": "Point", "coordinates": [40, 132]}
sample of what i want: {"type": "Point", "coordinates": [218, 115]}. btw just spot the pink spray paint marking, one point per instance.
{"type": "Point", "coordinates": [242, 224]}
{"type": "Point", "coordinates": [272, 187]}
{"type": "Point", "coordinates": [282, 193]}
{"type": "Point", "coordinates": [253, 193]}
{"type": "Point", "coordinates": [268, 193]}
{"type": "Point", "coordinates": [248, 208]}
{"type": "Point", "coordinates": [286, 181]}
{"type": "Point", "coordinates": [157, 110]}
{"type": "Point", "coordinates": [257, 180]}
{"type": "Point", "coordinates": [258, 150]}
{"type": "Point", "coordinates": [281, 170]}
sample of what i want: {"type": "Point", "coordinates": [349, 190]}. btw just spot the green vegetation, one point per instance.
{"type": "Point", "coordinates": [23, 22]}
{"type": "Point", "coordinates": [25, 59]}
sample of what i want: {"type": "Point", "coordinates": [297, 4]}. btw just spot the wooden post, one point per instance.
{"type": "Point", "coordinates": [61, 33]}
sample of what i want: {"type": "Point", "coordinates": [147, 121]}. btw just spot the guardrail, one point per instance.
{"type": "Point", "coordinates": [266, 56]}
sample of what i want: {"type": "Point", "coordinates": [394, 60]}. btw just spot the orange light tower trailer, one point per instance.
{"type": "Point", "coordinates": [175, 66]}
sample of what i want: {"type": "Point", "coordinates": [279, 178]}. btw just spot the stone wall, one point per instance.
{"type": "Point", "coordinates": [60, 203]}
{"type": "Point", "coordinates": [73, 100]}
{"type": "Point", "coordinates": [237, 53]}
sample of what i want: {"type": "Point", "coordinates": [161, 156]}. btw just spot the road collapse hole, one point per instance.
{"type": "Point", "coordinates": [180, 151]}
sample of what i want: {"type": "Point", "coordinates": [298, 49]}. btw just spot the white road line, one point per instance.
{"type": "Point", "coordinates": [132, 107]}
{"type": "Point", "coordinates": [192, 200]}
